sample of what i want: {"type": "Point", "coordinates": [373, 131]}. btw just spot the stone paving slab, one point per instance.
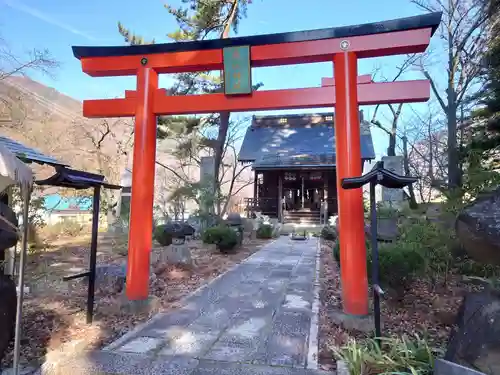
{"type": "Point", "coordinates": [255, 317]}
{"type": "Point", "coordinates": [115, 363]}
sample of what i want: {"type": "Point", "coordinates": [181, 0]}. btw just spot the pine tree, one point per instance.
{"type": "Point", "coordinates": [481, 154]}
{"type": "Point", "coordinates": [485, 140]}
{"type": "Point", "coordinates": [198, 20]}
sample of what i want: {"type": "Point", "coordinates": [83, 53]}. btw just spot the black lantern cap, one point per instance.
{"type": "Point", "coordinates": [379, 176]}
{"type": "Point", "coordinates": [71, 178]}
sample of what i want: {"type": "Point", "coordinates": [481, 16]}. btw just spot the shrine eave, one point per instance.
{"type": "Point", "coordinates": [425, 21]}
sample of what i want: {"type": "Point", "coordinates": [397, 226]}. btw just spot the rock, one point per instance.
{"type": "Point", "coordinates": [442, 367]}
{"type": "Point", "coordinates": [8, 300]}
{"type": "Point", "coordinates": [110, 278]}
{"type": "Point", "coordinates": [436, 214]}
{"type": "Point", "coordinates": [476, 341]}
{"type": "Point", "coordinates": [478, 228]}
{"type": "Point", "coordinates": [387, 229]}
{"type": "Point", "coordinates": [353, 323]}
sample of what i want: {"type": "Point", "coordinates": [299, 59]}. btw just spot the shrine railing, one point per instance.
{"type": "Point", "coordinates": [266, 206]}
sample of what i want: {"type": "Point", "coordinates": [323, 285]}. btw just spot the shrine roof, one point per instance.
{"type": "Point", "coordinates": [430, 20]}
{"type": "Point", "coordinates": [305, 140]}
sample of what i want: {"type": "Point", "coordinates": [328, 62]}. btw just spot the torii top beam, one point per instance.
{"type": "Point", "coordinates": [394, 37]}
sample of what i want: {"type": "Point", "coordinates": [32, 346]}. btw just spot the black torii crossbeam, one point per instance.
{"type": "Point", "coordinates": [384, 177]}
{"type": "Point", "coordinates": [71, 178]}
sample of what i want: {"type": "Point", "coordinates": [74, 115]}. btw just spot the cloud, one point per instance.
{"type": "Point", "coordinates": [46, 18]}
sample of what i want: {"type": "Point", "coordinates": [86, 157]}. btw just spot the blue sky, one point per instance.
{"type": "Point", "coordinates": [59, 24]}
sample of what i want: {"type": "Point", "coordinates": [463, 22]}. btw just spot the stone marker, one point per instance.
{"type": "Point", "coordinates": [393, 197]}
{"type": "Point", "coordinates": [178, 253]}
{"type": "Point", "coordinates": [387, 229]}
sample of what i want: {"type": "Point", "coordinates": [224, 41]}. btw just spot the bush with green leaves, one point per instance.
{"type": "Point", "coordinates": [469, 267]}
{"type": "Point", "coordinates": [163, 235]}
{"type": "Point", "coordinates": [329, 233]}
{"type": "Point", "coordinates": [399, 265]}
{"type": "Point", "coordinates": [222, 236]}
{"type": "Point", "coordinates": [402, 355]}
{"type": "Point", "coordinates": [265, 231]}
{"type": "Point", "coordinates": [423, 248]}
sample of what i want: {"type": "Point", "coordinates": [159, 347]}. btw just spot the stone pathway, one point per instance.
{"type": "Point", "coordinates": [258, 318]}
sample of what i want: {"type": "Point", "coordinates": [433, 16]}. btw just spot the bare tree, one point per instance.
{"type": "Point", "coordinates": [11, 64]}
{"type": "Point", "coordinates": [426, 147]}
{"type": "Point", "coordinates": [396, 111]}
{"type": "Point", "coordinates": [463, 33]}
{"type": "Point", "coordinates": [107, 143]}
{"type": "Point", "coordinates": [232, 178]}
{"type": "Point", "coordinates": [394, 119]}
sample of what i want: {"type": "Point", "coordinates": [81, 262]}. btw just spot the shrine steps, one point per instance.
{"type": "Point", "coordinates": [304, 217]}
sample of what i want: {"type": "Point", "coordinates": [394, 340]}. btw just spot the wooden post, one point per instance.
{"type": "Point", "coordinates": [280, 197]}
{"type": "Point", "coordinates": [350, 202]}
{"type": "Point", "coordinates": [143, 179]}
{"type": "Point", "coordinates": [302, 192]}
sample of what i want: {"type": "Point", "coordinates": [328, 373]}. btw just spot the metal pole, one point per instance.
{"type": "Point", "coordinates": [375, 277]}
{"type": "Point", "coordinates": [22, 267]}
{"type": "Point", "coordinates": [93, 254]}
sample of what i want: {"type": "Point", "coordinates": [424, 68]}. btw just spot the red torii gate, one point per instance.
{"type": "Point", "coordinates": [343, 46]}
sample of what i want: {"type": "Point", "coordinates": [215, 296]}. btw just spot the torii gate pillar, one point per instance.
{"type": "Point", "coordinates": [350, 202]}
{"type": "Point", "coordinates": [143, 182]}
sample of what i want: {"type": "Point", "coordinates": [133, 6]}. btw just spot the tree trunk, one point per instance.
{"type": "Point", "coordinates": [406, 164]}
{"type": "Point", "coordinates": [224, 116]}
{"type": "Point", "coordinates": [453, 158]}
{"type": "Point", "coordinates": [391, 150]}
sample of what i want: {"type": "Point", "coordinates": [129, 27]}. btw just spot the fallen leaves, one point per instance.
{"type": "Point", "coordinates": [55, 315]}
{"type": "Point", "coordinates": [425, 309]}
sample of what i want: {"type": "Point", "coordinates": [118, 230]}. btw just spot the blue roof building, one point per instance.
{"type": "Point", "coordinates": [293, 157]}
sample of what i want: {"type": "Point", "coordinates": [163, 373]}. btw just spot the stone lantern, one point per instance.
{"type": "Point", "coordinates": [235, 222]}
{"type": "Point", "coordinates": [178, 234]}
{"type": "Point", "coordinates": [179, 252]}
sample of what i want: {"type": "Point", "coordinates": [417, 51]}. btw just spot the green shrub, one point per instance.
{"type": "Point", "coordinates": [398, 265]}
{"type": "Point", "coordinates": [422, 248]}
{"type": "Point", "coordinates": [395, 356]}
{"type": "Point", "coordinates": [433, 242]}
{"type": "Point", "coordinates": [336, 251]}
{"type": "Point", "coordinates": [163, 235]}
{"type": "Point", "coordinates": [265, 231]}
{"type": "Point", "coordinates": [211, 236]}
{"type": "Point", "coordinates": [222, 236]}
{"type": "Point", "coordinates": [470, 267]}
{"type": "Point", "coordinates": [228, 242]}
{"type": "Point", "coordinates": [329, 233]}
